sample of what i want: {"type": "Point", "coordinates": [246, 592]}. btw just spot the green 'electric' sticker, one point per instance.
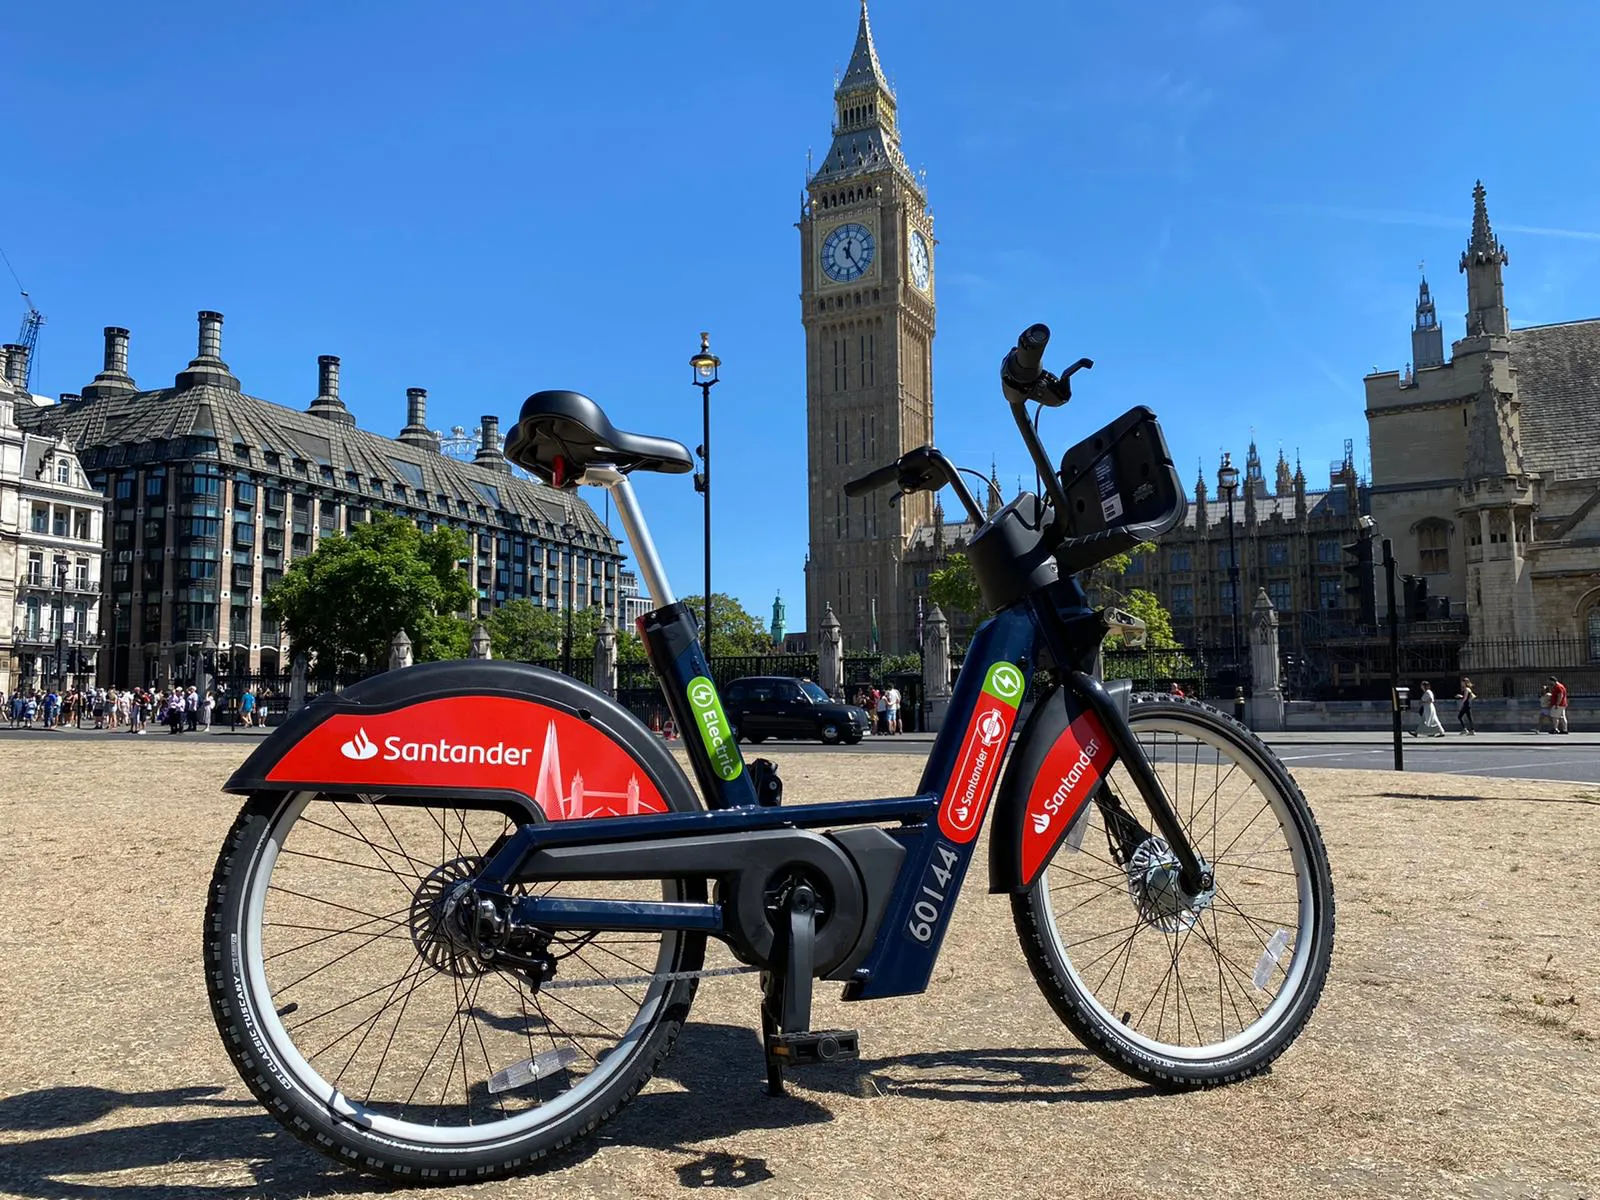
{"type": "Point", "coordinates": [714, 730]}
{"type": "Point", "coordinates": [1005, 683]}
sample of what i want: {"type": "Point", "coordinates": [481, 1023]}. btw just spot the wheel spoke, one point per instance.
{"type": "Point", "coordinates": [1184, 967]}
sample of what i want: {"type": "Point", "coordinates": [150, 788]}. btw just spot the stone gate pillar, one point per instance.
{"type": "Point", "coordinates": [830, 653]}
{"type": "Point", "coordinates": [1266, 703]}
{"type": "Point", "coordinates": [936, 667]}
{"type": "Point", "coordinates": [605, 659]}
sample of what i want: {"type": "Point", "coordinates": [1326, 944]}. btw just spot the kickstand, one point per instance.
{"type": "Point", "coordinates": [786, 991]}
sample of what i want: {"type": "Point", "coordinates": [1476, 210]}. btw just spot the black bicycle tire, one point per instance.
{"type": "Point", "coordinates": [360, 1149]}
{"type": "Point", "coordinates": [1030, 912]}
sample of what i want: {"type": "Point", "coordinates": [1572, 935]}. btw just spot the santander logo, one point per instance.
{"type": "Point", "coordinates": [360, 747]}
{"type": "Point", "coordinates": [1071, 771]}
{"type": "Point", "coordinates": [991, 728]}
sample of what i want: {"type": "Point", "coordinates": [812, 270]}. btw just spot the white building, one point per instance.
{"type": "Point", "coordinates": [51, 548]}
{"type": "Point", "coordinates": [634, 605]}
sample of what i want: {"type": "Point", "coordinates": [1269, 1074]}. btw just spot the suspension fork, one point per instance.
{"type": "Point", "coordinates": [1060, 632]}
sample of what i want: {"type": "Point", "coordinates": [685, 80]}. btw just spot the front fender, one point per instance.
{"type": "Point", "coordinates": [1061, 756]}
{"type": "Point", "coordinates": [536, 744]}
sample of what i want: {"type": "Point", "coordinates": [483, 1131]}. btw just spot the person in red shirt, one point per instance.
{"type": "Point", "coordinates": [1558, 706]}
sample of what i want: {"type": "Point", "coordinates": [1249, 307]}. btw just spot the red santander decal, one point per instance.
{"type": "Point", "coordinates": [569, 768]}
{"type": "Point", "coordinates": [966, 796]}
{"type": "Point", "coordinates": [1072, 769]}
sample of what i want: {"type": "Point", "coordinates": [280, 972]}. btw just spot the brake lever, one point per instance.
{"type": "Point", "coordinates": [1058, 390]}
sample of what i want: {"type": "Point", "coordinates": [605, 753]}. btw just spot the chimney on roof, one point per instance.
{"type": "Point", "coordinates": [113, 379]}
{"type": "Point", "coordinates": [16, 365]}
{"type": "Point", "coordinates": [327, 405]}
{"type": "Point", "coordinates": [416, 431]}
{"type": "Point", "coordinates": [207, 366]}
{"type": "Point", "coordinates": [489, 453]}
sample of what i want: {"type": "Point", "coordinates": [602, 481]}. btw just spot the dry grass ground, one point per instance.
{"type": "Point", "coordinates": [1454, 1054]}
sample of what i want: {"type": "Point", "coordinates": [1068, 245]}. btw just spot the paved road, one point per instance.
{"type": "Point", "coordinates": [1575, 758]}
{"type": "Point", "coordinates": [1515, 756]}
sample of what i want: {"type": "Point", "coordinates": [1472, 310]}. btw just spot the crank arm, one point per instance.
{"type": "Point", "coordinates": [1196, 876]}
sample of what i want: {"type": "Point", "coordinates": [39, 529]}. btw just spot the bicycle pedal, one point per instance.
{"type": "Point", "coordinates": [814, 1046]}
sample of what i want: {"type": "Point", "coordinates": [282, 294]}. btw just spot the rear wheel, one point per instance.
{"type": "Point", "coordinates": [1186, 991]}
{"type": "Point", "coordinates": [378, 1038]}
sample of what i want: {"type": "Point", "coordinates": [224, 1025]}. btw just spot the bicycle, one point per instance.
{"type": "Point", "coordinates": [436, 955]}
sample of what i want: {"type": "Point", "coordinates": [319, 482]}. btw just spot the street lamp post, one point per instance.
{"type": "Point", "coordinates": [704, 365]}
{"type": "Point", "coordinates": [61, 621]}
{"type": "Point", "coordinates": [569, 531]}
{"type": "Point", "coordinates": [1227, 485]}
{"type": "Point", "coordinates": [116, 633]}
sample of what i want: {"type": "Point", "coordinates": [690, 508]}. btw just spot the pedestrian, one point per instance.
{"type": "Point", "coordinates": [247, 706]}
{"type": "Point", "coordinates": [1430, 723]}
{"type": "Point", "coordinates": [1238, 705]}
{"type": "Point", "coordinates": [1464, 713]}
{"type": "Point", "coordinates": [191, 709]}
{"type": "Point", "coordinates": [1175, 690]}
{"type": "Point", "coordinates": [880, 709]}
{"type": "Point", "coordinates": [1544, 725]}
{"type": "Point", "coordinates": [1558, 706]}
{"type": "Point", "coordinates": [891, 701]}
{"type": "Point", "coordinates": [206, 706]}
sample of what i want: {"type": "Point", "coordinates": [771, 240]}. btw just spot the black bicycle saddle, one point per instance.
{"type": "Point", "coordinates": [560, 434]}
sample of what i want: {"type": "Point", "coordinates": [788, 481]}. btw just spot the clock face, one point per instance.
{"type": "Point", "coordinates": [919, 260]}
{"type": "Point", "coordinates": [847, 253]}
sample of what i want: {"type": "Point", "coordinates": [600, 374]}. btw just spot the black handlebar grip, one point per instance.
{"type": "Point", "coordinates": [874, 480]}
{"type": "Point", "coordinates": [1025, 361]}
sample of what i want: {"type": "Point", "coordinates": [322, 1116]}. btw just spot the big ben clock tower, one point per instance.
{"type": "Point", "coordinates": [866, 288]}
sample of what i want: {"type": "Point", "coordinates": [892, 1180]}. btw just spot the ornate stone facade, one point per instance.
{"type": "Point", "coordinates": [51, 546]}
{"type": "Point", "coordinates": [867, 303]}
{"type": "Point", "coordinates": [1486, 467]}
{"type": "Point", "coordinates": [1290, 542]}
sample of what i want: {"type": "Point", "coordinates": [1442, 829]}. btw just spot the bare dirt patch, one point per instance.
{"type": "Point", "coordinates": [1454, 1053]}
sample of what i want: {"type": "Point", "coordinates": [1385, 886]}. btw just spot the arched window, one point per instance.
{"type": "Point", "coordinates": [1592, 628]}
{"type": "Point", "coordinates": [1433, 547]}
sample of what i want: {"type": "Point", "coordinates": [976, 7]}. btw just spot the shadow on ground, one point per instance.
{"type": "Point", "coordinates": [718, 1066]}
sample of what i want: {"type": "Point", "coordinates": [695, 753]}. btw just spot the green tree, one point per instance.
{"type": "Point", "coordinates": [734, 630]}
{"type": "Point", "coordinates": [343, 604]}
{"type": "Point", "coordinates": [954, 588]}
{"type": "Point", "coordinates": [521, 630]}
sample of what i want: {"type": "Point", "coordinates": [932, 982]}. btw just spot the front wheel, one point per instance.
{"type": "Point", "coordinates": [359, 1016]}
{"type": "Point", "coordinates": [1175, 990]}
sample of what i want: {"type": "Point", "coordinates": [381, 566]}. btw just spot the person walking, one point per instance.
{"type": "Point", "coordinates": [892, 706]}
{"type": "Point", "coordinates": [1430, 724]}
{"type": "Point", "coordinates": [1544, 725]}
{"type": "Point", "coordinates": [1464, 713]}
{"type": "Point", "coordinates": [206, 707]}
{"type": "Point", "coordinates": [247, 706]}
{"type": "Point", "coordinates": [1558, 706]}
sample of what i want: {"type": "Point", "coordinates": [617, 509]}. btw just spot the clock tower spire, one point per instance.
{"type": "Point", "coordinates": [867, 304]}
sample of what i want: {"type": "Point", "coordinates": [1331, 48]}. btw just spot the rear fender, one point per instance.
{"type": "Point", "coordinates": [1061, 756]}
{"type": "Point", "coordinates": [534, 744]}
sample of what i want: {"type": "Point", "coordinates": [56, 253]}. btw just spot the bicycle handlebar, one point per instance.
{"type": "Point", "coordinates": [874, 480]}
{"type": "Point", "coordinates": [1023, 365]}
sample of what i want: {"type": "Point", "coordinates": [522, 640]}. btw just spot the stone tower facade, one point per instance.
{"type": "Point", "coordinates": [867, 304]}
{"type": "Point", "coordinates": [1484, 470]}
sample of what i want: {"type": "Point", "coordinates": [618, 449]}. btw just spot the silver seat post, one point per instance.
{"type": "Point", "coordinates": [634, 527]}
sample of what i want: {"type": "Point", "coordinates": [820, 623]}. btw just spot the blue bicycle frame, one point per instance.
{"type": "Point", "coordinates": [938, 827]}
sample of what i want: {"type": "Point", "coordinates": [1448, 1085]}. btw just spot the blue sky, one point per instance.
{"type": "Point", "coordinates": [1223, 204]}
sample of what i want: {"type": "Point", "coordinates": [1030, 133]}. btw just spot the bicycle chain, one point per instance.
{"type": "Point", "coordinates": [634, 980]}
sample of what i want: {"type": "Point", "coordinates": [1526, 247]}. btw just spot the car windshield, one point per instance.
{"type": "Point", "coordinates": [815, 692]}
